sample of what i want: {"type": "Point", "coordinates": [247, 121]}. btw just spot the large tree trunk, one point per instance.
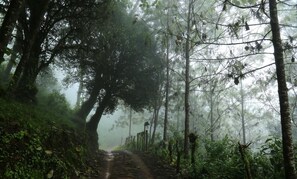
{"type": "Point", "coordinates": [8, 24]}
{"type": "Point", "coordinates": [187, 83]}
{"type": "Point", "coordinates": [86, 107]}
{"type": "Point", "coordinates": [23, 83]}
{"type": "Point", "coordinates": [288, 152]}
{"type": "Point", "coordinates": [91, 126]}
{"type": "Point", "coordinates": [25, 89]}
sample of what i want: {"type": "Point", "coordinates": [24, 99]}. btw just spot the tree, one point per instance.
{"type": "Point", "coordinates": [165, 138]}
{"type": "Point", "coordinates": [48, 27]}
{"type": "Point", "coordinates": [8, 25]}
{"type": "Point", "coordinates": [16, 49]}
{"type": "Point", "coordinates": [123, 67]}
{"type": "Point", "coordinates": [25, 87]}
{"type": "Point", "coordinates": [187, 80]}
{"type": "Point", "coordinates": [156, 106]}
{"type": "Point", "coordinates": [288, 151]}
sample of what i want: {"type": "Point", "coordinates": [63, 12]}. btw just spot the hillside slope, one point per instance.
{"type": "Point", "coordinates": [37, 142]}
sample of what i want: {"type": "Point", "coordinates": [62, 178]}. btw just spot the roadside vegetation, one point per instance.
{"type": "Point", "coordinates": [41, 142]}
{"type": "Point", "coordinates": [224, 158]}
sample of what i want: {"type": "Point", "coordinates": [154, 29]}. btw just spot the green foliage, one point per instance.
{"type": "Point", "coordinates": [269, 161]}
{"type": "Point", "coordinates": [56, 101]}
{"type": "Point", "coordinates": [35, 143]}
{"type": "Point", "coordinates": [222, 159]}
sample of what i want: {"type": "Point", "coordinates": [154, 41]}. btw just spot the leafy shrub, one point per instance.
{"type": "Point", "coordinates": [221, 160]}
{"type": "Point", "coordinates": [268, 162]}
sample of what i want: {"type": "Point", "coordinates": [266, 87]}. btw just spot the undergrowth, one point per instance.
{"type": "Point", "coordinates": [36, 141]}
{"type": "Point", "coordinates": [222, 158]}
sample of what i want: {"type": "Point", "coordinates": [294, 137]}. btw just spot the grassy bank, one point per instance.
{"type": "Point", "coordinates": [37, 141]}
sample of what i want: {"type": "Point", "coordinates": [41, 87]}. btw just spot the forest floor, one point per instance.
{"type": "Point", "coordinates": [127, 165]}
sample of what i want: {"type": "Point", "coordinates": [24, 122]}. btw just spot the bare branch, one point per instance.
{"type": "Point", "coordinates": [243, 7]}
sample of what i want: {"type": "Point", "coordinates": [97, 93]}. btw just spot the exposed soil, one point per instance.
{"type": "Point", "coordinates": [127, 165]}
{"type": "Point", "coordinates": [158, 168]}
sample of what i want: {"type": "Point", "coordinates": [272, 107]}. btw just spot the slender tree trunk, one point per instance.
{"type": "Point", "coordinates": [17, 73]}
{"type": "Point", "coordinates": [151, 127]}
{"type": "Point", "coordinates": [154, 126]}
{"type": "Point", "coordinates": [136, 5]}
{"type": "Point", "coordinates": [20, 66]}
{"type": "Point", "coordinates": [288, 151]}
{"type": "Point", "coordinates": [156, 119]}
{"type": "Point", "coordinates": [178, 120]}
{"type": "Point", "coordinates": [187, 83]}
{"type": "Point", "coordinates": [242, 114]}
{"type": "Point", "coordinates": [130, 121]}
{"type": "Point", "coordinates": [12, 60]}
{"type": "Point", "coordinates": [167, 91]}
{"type": "Point", "coordinates": [211, 115]}
{"type": "Point", "coordinates": [8, 24]}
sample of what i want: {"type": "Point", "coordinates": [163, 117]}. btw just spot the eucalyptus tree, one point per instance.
{"type": "Point", "coordinates": [288, 151]}
{"type": "Point", "coordinates": [165, 138]}
{"type": "Point", "coordinates": [267, 18]}
{"type": "Point", "coordinates": [187, 79]}
{"type": "Point", "coordinates": [196, 35]}
{"type": "Point", "coordinates": [184, 27]}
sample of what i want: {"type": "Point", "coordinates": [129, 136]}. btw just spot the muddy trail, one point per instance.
{"type": "Point", "coordinates": [128, 165]}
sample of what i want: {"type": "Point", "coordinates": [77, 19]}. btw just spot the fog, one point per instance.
{"type": "Point", "coordinates": [109, 136]}
{"type": "Point", "coordinates": [108, 139]}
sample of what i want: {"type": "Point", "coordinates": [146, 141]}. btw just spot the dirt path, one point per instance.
{"type": "Point", "coordinates": [125, 165]}
{"type": "Point", "coordinates": [141, 165]}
